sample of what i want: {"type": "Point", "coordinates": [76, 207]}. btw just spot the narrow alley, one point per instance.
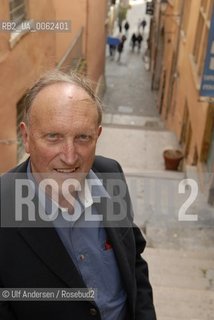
{"type": "Point", "coordinates": [180, 253]}
{"type": "Point", "coordinates": [157, 97]}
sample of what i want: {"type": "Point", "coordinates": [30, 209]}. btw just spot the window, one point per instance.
{"type": "Point", "coordinates": [17, 11]}
{"type": "Point", "coordinates": [201, 35]}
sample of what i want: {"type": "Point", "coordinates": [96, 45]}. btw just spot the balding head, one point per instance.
{"type": "Point", "coordinates": [58, 77]}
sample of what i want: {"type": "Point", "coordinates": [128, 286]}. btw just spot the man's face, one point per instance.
{"type": "Point", "coordinates": [62, 133]}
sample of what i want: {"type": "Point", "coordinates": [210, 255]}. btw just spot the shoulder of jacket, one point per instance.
{"type": "Point", "coordinates": [105, 165]}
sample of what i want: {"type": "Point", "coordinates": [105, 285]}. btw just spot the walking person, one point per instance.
{"type": "Point", "coordinates": [120, 49]}
{"type": "Point", "coordinates": [112, 43]}
{"type": "Point", "coordinates": [143, 24]}
{"type": "Point", "coordinates": [139, 41]}
{"type": "Point", "coordinates": [126, 27]}
{"type": "Point", "coordinates": [121, 46]}
{"type": "Point", "coordinates": [133, 41]}
{"type": "Point", "coordinates": [112, 49]}
{"type": "Point", "coordinates": [120, 26]}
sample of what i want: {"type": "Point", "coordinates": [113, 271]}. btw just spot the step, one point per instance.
{"type": "Point", "coordinates": [131, 121]}
{"type": "Point", "coordinates": [182, 270]}
{"type": "Point", "coordinates": [174, 235]}
{"type": "Point", "coordinates": [173, 303]}
{"type": "Point", "coordinates": [183, 283]}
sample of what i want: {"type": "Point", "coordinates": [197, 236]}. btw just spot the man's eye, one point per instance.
{"type": "Point", "coordinates": [52, 136]}
{"type": "Point", "coordinates": [83, 138]}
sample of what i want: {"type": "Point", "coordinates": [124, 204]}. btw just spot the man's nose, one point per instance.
{"type": "Point", "coordinates": [69, 154]}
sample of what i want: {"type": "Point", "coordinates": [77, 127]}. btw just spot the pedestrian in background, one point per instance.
{"type": "Point", "coordinates": [120, 26]}
{"type": "Point", "coordinates": [143, 24]}
{"type": "Point", "coordinates": [112, 42]}
{"type": "Point", "coordinates": [133, 41]}
{"type": "Point", "coordinates": [112, 49]}
{"type": "Point", "coordinates": [126, 27]}
{"type": "Point", "coordinates": [139, 41]}
{"type": "Point", "coordinates": [120, 46]}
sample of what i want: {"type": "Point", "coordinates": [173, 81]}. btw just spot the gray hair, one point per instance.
{"type": "Point", "coordinates": [56, 76]}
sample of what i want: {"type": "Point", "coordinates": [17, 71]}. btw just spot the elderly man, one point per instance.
{"type": "Point", "coordinates": [69, 230]}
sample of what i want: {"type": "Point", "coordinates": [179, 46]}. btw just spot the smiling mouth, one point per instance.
{"type": "Point", "coordinates": [61, 170]}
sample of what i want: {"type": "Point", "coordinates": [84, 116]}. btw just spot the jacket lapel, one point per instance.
{"type": "Point", "coordinates": [47, 245]}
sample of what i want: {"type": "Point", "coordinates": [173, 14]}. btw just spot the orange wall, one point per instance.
{"type": "Point", "coordinates": [19, 67]}
{"type": "Point", "coordinates": [91, 15]}
{"type": "Point", "coordinates": [186, 86]}
{"type": "Point", "coordinates": [96, 38]}
{"type": "Point", "coordinates": [75, 11]}
{"type": "Point", "coordinates": [38, 51]}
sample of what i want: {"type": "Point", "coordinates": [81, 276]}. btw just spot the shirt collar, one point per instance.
{"type": "Point", "coordinates": [93, 189]}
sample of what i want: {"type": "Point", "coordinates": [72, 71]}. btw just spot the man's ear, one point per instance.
{"type": "Point", "coordinates": [25, 135]}
{"type": "Point", "coordinates": [100, 130]}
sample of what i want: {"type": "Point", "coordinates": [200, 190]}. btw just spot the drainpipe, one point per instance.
{"type": "Point", "coordinates": [175, 74]}
{"type": "Point", "coordinates": [157, 38]}
{"type": "Point", "coordinates": [179, 35]}
{"type": "Point", "coordinates": [86, 30]}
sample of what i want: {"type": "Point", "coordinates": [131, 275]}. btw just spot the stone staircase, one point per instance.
{"type": "Point", "coordinates": [183, 283]}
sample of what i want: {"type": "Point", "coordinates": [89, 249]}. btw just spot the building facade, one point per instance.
{"type": "Point", "coordinates": [23, 56]}
{"type": "Point", "coordinates": [38, 35]}
{"type": "Point", "coordinates": [179, 44]}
